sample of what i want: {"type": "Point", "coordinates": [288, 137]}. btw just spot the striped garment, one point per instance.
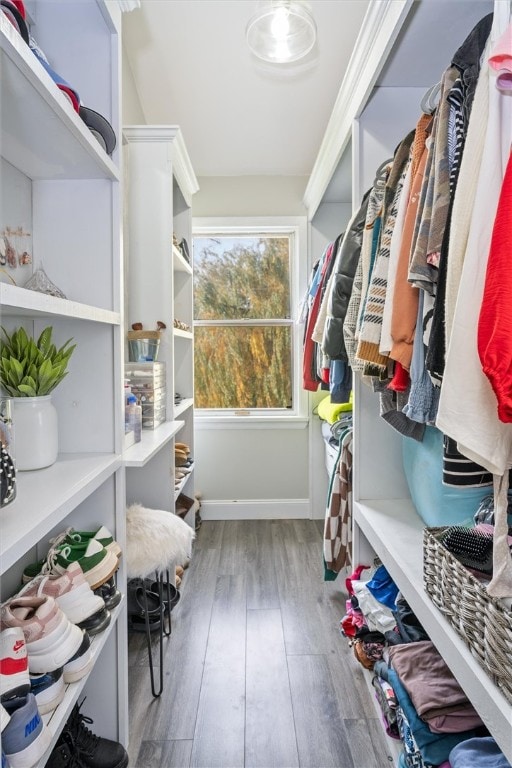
{"type": "Point", "coordinates": [338, 515]}
{"type": "Point", "coordinates": [351, 324]}
{"type": "Point", "coordinates": [369, 337]}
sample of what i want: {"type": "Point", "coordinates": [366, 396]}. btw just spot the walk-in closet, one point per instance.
{"type": "Point", "coordinates": [254, 383]}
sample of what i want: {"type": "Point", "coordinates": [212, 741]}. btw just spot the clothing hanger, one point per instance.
{"type": "Point", "coordinates": [430, 100]}
{"type": "Point", "coordinates": [381, 172]}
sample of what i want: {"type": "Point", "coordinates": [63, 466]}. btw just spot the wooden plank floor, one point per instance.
{"type": "Point", "coordinates": [256, 673]}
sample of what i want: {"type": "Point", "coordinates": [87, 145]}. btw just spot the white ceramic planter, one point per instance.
{"type": "Point", "coordinates": [36, 430]}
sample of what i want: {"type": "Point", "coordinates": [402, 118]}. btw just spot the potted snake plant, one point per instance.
{"type": "Point", "coordinates": [30, 370]}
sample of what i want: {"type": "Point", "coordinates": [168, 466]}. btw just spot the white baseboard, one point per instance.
{"type": "Point", "coordinates": [261, 509]}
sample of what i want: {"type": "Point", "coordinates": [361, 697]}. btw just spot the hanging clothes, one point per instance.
{"type": "Point", "coordinates": [338, 516]}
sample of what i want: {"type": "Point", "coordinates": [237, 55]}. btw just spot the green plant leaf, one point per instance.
{"type": "Point", "coordinates": [27, 390]}
{"type": "Point", "coordinates": [44, 340]}
{"type": "Point", "coordinates": [29, 368]}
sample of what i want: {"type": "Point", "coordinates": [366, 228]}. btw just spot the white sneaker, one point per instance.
{"type": "Point", "coordinates": [26, 738]}
{"type": "Point", "coordinates": [4, 718]}
{"type": "Point", "coordinates": [50, 637]}
{"type": "Point", "coordinates": [71, 590]}
{"type": "Point", "coordinates": [14, 677]}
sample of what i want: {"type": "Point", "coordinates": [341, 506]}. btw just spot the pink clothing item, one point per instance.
{"type": "Point", "coordinates": [445, 765]}
{"type": "Point", "coordinates": [501, 60]}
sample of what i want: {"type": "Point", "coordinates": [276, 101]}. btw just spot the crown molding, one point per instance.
{"type": "Point", "coordinates": [128, 5]}
{"type": "Point", "coordinates": [181, 165]}
{"type": "Point", "coordinates": [380, 28]}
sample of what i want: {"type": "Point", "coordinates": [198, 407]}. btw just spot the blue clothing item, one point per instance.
{"type": "Point", "coordinates": [474, 753]}
{"type": "Point", "coordinates": [434, 747]}
{"type": "Point", "coordinates": [383, 588]}
{"type": "Point", "coordinates": [340, 381]}
{"type": "Point", "coordinates": [423, 400]}
{"type": "Point", "coordinates": [412, 757]}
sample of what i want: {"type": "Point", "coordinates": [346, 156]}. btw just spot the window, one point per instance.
{"type": "Point", "coordinates": [244, 302]}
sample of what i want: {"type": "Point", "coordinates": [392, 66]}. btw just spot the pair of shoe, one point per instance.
{"type": "Point", "coordinates": [145, 592]}
{"type": "Point", "coordinates": [96, 551]}
{"type": "Point", "coordinates": [37, 638]}
{"type": "Point", "coordinates": [182, 458]}
{"type": "Point", "coordinates": [79, 747]}
{"type": "Point", "coordinates": [74, 596]}
{"type": "Point", "coordinates": [25, 737]}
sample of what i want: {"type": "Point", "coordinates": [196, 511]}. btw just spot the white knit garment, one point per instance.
{"type": "Point", "coordinates": [465, 193]}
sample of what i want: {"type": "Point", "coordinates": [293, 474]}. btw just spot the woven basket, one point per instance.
{"type": "Point", "coordinates": [480, 620]}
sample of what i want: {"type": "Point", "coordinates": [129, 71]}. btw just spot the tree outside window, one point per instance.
{"type": "Point", "coordinates": [243, 327]}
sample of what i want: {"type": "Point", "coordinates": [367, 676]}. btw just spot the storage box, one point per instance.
{"type": "Point", "coordinates": [482, 621]}
{"type": "Point", "coordinates": [153, 416]}
{"type": "Point", "coordinates": [436, 504]}
{"type": "Point", "coordinates": [145, 375]}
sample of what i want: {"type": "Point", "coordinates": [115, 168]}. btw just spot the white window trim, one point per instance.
{"type": "Point", "coordinates": [272, 225]}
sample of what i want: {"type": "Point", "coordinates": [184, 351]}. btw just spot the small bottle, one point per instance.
{"type": "Point", "coordinates": [137, 421]}
{"type": "Point", "coordinates": [129, 414]}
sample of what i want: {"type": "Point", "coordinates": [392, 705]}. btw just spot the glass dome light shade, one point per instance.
{"type": "Point", "coordinates": [281, 31]}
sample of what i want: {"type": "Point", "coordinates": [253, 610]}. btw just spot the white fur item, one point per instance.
{"type": "Point", "coordinates": [155, 540]}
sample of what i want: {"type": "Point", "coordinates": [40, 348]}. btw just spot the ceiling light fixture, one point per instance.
{"type": "Point", "coordinates": [281, 31]}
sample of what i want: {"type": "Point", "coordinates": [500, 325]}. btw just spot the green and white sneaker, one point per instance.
{"type": "Point", "coordinates": [97, 563]}
{"type": "Point", "coordinates": [70, 536]}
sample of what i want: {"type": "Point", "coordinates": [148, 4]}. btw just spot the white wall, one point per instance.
{"type": "Point", "coordinates": [133, 113]}
{"type": "Point", "coordinates": [250, 196]}
{"type": "Point", "coordinates": [234, 464]}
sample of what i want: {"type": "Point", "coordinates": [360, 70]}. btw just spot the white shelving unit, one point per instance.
{"type": "Point", "coordinates": [159, 287]}
{"type": "Point", "coordinates": [56, 178]}
{"type": "Point", "coordinates": [395, 67]}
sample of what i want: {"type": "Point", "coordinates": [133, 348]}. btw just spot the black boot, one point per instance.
{"type": "Point", "coordinates": [93, 751]}
{"type": "Point", "coordinates": [64, 755]}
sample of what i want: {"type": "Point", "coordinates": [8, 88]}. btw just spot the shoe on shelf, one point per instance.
{"type": "Point", "coordinates": [49, 689]}
{"type": "Point", "coordinates": [64, 755]}
{"type": "Point", "coordinates": [102, 535]}
{"type": "Point", "coordinates": [26, 738]}
{"type": "Point", "coordinates": [4, 718]}
{"type": "Point", "coordinates": [109, 593]}
{"type": "Point", "coordinates": [70, 536]}
{"type": "Point", "coordinates": [14, 677]}
{"type": "Point", "coordinates": [80, 664]}
{"type": "Point", "coordinates": [73, 595]}
{"type": "Point", "coordinates": [182, 447]}
{"type": "Point", "coordinates": [51, 639]}
{"type": "Point", "coordinates": [97, 563]}
{"type": "Point", "coordinates": [92, 751]}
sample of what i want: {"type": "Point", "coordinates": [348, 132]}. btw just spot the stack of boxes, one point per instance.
{"type": "Point", "coordinates": [147, 383]}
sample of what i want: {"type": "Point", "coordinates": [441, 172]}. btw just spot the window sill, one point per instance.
{"type": "Point", "coordinates": [250, 422]}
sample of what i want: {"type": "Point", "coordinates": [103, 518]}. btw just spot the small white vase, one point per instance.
{"type": "Point", "coordinates": [36, 430]}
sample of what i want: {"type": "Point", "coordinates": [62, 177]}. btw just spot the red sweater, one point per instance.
{"type": "Point", "coordinates": [495, 323]}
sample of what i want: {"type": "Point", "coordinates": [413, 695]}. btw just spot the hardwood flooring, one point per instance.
{"type": "Point", "coordinates": [256, 673]}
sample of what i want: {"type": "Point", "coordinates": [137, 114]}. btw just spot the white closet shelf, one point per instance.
{"type": "Point", "coordinates": [42, 135]}
{"type": "Point", "coordinates": [179, 262]}
{"type": "Point", "coordinates": [178, 333]}
{"type": "Point", "coordinates": [183, 406]}
{"type": "Point", "coordinates": [23, 302]}
{"type": "Point", "coordinates": [395, 532]}
{"type": "Point", "coordinates": [46, 496]}
{"type": "Point", "coordinates": [56, 719]}
{"type": "Point", "coordinates": [183, 483]}
{"type": "Point", "coordinates": [152, 440]}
